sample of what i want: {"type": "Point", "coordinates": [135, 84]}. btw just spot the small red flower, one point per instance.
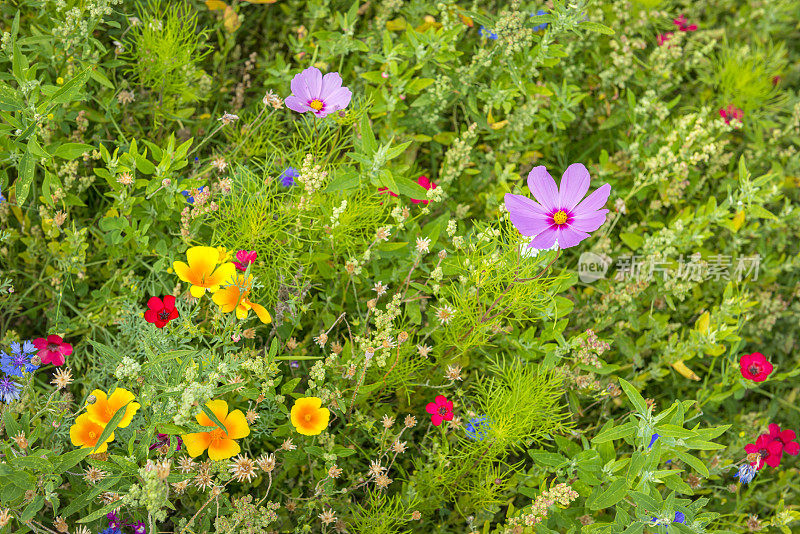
{"type": "Point", "coordinates": [680, 22]}
{"type": "Point", "coordinates": [730, 113]}
{"type": "Point", "coordinates": [786, 438]}
{"type": "Point", "coordinates": [663, 38]}
{"type": "Point", "coordinates": [441, 410]}
{"type": "Point", "coordinates": [770, 451]}
{"type": "Point", "coordinates": [423, 181]}
{"type": "Point", "coordinates": [53, 349]}
{"type": "Point", "coordinates": [161, 311]}
{"type": "Point", "coordinates": [755, 367]}
{"type": "Point", "coordinates": [244, 259]}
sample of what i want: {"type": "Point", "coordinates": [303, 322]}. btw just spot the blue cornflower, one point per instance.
{"type": "Point", "coordinates": [189, 196]}
{"type": "Point", "coordinates": [543, 25]}
{"type": "Point", "coordinates": [20, 359]}
{"type": "Point", "coordinates": [477, 428]}
{"type": "Point", "coordinates": [111, 530]}
{"type": "Point", "coordinates": [287, 176]}
{"type": "Point", "coordinates": [653, 440]}
{"type": "Point", "coordinates": [487, 33]}
{"type": "Point", "coordinates": [746, 473]}
{"type": "Point", "coordinates": [9, 390]}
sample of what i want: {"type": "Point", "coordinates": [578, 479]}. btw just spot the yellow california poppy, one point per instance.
{"type": "Point", "coordinates": [234, 297]}
{"type": "Point", "coordinates": [309, 417]}
{"type": "Point", "coordinates": [85, 433]}
{"type": "Point", "coordinates": [202, 271]}
{"type": "Point", "coordinates": [220, 444]}
{"type": "Point", "coordinates": [105, 406]}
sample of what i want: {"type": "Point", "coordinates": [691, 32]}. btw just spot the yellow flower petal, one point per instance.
{"type": "Point", "coordinates": [196, 443]}
{"type": "Point", "coordinates": [261, 311]}
{"type": "Point", "coordinates": [223, 449]}
{"type": "Point", "coordinates": [237, 426]}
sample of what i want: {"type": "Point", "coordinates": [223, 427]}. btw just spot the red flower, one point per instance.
{"type": "Point", "coordinates": [245, 258]}
{"type": "Point", "coordinates": [755, 367]}
{"type": "Point", "coordinates": [423, 181]}
{"type": "Point", "coordinates": [680, 22]}
{"type": "Point", "coordinates": [786, 438]}
{"type": "Point", "coordinates": [161, 311]}
{"type": "Point", "coordinates": [770, 451]}
{"type": "Point", "coordinates": [53, 349]}
{"type": "Point", "coordinates": [731, 112]}
{"type": "Point", "coordinates": [441, 410]}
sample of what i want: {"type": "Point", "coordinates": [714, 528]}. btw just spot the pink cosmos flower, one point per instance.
{"type": "Point", "coordinates": [441, 410]}
{"type": "Point", "coordinates": [559, 213]}
{"type": "Point", "coordinates": [680, 22]}
{"type": "Point", "coordinates": [53, 349]}
{"type": "Point", "coordinates": [731, 112]}
{"type": "Point", "coordinates": [423, 181]}
{"type": "Point", "coordinates": [322, 95]}
{"type": "Point", "coordinates": [245, 258]}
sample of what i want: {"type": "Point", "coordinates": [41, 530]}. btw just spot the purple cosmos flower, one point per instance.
{"type": "Point", "coordinates": [287, 176]}
{"type": "Point", "coordinates": [559, 213]}
{"type": "Point", "coordinates": [322, 95]}
{"type": "Point", "coordinates": [9, 390]}
{"type": "Point", "coordinates": [20, 359]}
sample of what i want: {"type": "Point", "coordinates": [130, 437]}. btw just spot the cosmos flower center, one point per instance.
{"type": "Point", "coordinates": [316, 104]}
{"type": "Point", "coordinates": [560, 217]}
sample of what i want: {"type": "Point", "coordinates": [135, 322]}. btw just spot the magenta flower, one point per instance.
{"type": "Point", "coordinates": [559, 212]}
{"type": "Point", "coordinates": [322, 95]}
{"type": "Point", "coordinates": [53, 349]}
{"type": "Point", "coordinates": [244, 258]}
{"type": "Point", "coordinates": [681, 21]}
{"type": "Point", "coordinates": [730, 113]}
{"type": "Point", "coordinates": [663, 38]}
{"type": "Point", "coordinates": [440, 409]}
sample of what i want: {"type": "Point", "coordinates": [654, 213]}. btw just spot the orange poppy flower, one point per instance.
{"type": "Point", "coordinates": [106, 406]}
{"type": "Point", "coordinates": [220, 445]}
{"type": "Point", "coordinates": [308, 416]}
{"type": "Point", "coordinates": [86, 432]}
{"type": "Point", "coordinates": [234, 297]}
{"type": "Point", "coordinates": [202, 271]}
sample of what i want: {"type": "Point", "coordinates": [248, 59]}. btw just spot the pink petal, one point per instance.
{"type": "Point", "coordinates": [589, 222]}
{"type": "Point", "coordinates": [574, 185]}
{"type": "Point", "coordinates": [436, 419]}
{"type": "Point", "coordinates": [169, 301]}
{"type": "Point", "coordinates": [54, 338]}
{"type": "Point", "coordinates": [330, 82]}
{"type": "Point", "coordinates": [40, 343]}
{"type": "Point", "coordinates": [593, 202]}
{"type": "Point", "coordinates": [526, 215]}
{"type": "Point", "coordinates": [431, 408]}
{"type": "Point", "coordinates": [296, 104]}
{"type": "Point", "coordinates": [154, 303]}
{"type": "Point", "coordinates": [338, 99]}
{"type": "Point", "coordinates": [545, 239]}
{"type": "Point", "coordinates": [448, 416]}
{"type": "Point", "coordinates": [66, 349]}
{"type": "Point", "coordinates": [569, 237]}
{"type": "Point", "coordinates": [307, 84]}
{"type": "Point", "coordinates": [440, 399]}
{"type": "Point", "coordinates": [543, 187]}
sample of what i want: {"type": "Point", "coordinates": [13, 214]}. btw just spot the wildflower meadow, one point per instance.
{"type": "Point", "coordinates": [399, 266]}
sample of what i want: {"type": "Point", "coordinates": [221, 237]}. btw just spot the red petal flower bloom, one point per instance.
{"type": "Point", "coordinates": [53, 349]}
{"type": "Point", "coordinates": [680, 22]}
{"type": "Point", "coordinates": [423, 181]}
{"type": "Point", "coordinates": [441, 410]}
{"type": "Point", "coordinates": [245, 258]}
{"type": "Point", "coordinates": [786, 438]}
{"type": "Point", "coordinates": [769, 450]}
{"type": "Point", "coordinates": [755, 367]}
{"type": "Point", "coordinates": [161, 311]}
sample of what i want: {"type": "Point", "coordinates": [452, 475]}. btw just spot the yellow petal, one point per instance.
{"type": "Point", "coordinates": [197, 291]}
{"type": "Point", "coordinates": [685, 371]}
{"type": "Point", "coordinates": [222, 449]}
{"type": "Point", "coordinates": [237, 426]}
{"type": "Point", "coordinates": [261, 311]}
{"type": "Point", "coordinates": [196, 443]}
{"type": "Point", "coordinates": [231, 22]}
{"type": "Point", "coordinates": [182, 270]}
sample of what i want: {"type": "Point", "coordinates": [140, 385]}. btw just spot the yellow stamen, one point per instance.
{"type": "Point", "coordinates": [560, 217]}
{"type": "Point", "coordinates": [316, 104]}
